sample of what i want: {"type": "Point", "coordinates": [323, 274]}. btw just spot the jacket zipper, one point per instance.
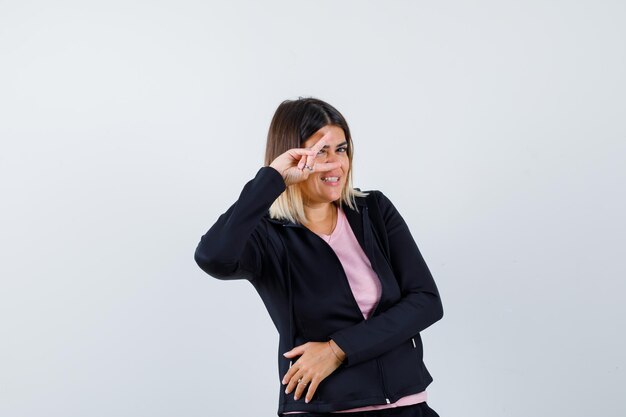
{"type": "Point", "coordinates": [382, 378]}
{"type": "Point", "coordinates": [368, 247]}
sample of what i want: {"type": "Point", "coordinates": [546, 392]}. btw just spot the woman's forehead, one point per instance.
{"type": "Point", "coordinates": [334, 136]}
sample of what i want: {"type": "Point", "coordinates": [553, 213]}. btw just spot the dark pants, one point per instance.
{"type": "Point", "coordinates": [416, 410]}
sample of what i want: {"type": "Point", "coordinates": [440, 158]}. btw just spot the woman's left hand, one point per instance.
{"type": "Point", "coordinates": [316, 362]}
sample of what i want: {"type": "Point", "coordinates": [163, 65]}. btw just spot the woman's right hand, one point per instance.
{"type": "Point", "coordinates": [291, 164]}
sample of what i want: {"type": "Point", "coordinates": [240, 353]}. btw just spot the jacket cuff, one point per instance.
{"type": "Point", "coordinates": [344, 344]}
{"type": "Point", "coordinates": [273, 178]}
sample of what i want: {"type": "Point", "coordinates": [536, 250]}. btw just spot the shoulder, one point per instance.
{"type": "Point", "coordinates": [373, 195]}
{"type": "Point", "coordinates": [365, 194]}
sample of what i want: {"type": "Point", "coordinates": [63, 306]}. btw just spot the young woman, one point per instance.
{"type": "Point", "coordinates": [337, 269]}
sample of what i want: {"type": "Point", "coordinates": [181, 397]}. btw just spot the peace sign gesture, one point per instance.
{"type": "Point", "coordinates": [297, 164]}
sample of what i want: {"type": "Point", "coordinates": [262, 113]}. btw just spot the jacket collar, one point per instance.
{"type": "Point", "coordinates": [355, 220]}
{"type": "Point", "coordinates": [351, 215]}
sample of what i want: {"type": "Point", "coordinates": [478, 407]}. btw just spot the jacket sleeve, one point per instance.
{"type": "Point", "coordinates": [419, 307]}
{"type": "Point", "coordinates": [233, 247]}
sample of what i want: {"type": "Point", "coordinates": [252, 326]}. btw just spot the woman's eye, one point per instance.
{"type": "Point", "coordinates": [344, 149]}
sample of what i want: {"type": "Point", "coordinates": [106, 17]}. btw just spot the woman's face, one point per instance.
{"type": "Point", "coordinates": [314, 188]}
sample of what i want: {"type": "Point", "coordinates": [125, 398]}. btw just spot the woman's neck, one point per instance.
{"type": "Point", "coordinates": [320, 213]}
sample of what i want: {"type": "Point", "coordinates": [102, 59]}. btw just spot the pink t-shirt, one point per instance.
{"type": "Point", "coordinates": [365, 286]}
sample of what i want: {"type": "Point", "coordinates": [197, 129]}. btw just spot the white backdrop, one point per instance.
{"type": "Point", "coordinates": [497, 128]}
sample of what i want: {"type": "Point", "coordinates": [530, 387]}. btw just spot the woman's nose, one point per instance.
{"type": "Point", "coordinates": [331, 157]}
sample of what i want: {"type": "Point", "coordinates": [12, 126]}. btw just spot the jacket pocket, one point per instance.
{"type": "Point", "coordinates": [357, 382]}
{"type": "Point", "coordinates": [404, 372]}
{"type": "Point", "coordinates": [416, 342]}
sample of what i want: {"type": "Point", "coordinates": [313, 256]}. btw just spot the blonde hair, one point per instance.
{"type": "Point", "coordinates": [290, 205]}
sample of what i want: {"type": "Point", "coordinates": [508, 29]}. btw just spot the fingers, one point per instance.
{"type": "Point", "coordinates": [293, 381]}
{"type": "Point", "coordinates": [294, 373]}
{"type": "Point", "coordinates": [326, 166]}
{"type": "Point", "coordinates": [305, 157]}
{"type": "Point", "coordinates": [312, 388]}
{"type": "Point", "coordinates": [300, 382]}
{"type": "Point", "coordinates": [299, 158]}
{"type": "Point", "coordinates": [318, 166]}
{"type": "Point", "coordinates": [302, 162]}
{"type": "Point", "coordinates": [298, 350]}
{"type": "Point", "coordinates": [296, 153]}
{"type": "Point", "coordinates": [319, 144]}
{"type": "Point", "coordinates": [310, 160]}
{"type": "Point", "coordinates": [289, 375]}
{"type": "Point", "coordinates": [302, 385]}
{"type": "Point", "coordinates": [301, 155]}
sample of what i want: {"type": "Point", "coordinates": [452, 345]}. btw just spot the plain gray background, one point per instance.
{"type": "Point", "coordinates": [127, 127]}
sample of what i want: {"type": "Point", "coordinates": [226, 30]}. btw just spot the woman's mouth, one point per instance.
{"type": "Point", "coordinates": [331, 180]}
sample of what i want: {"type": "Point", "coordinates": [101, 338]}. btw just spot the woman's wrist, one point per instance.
{"type": "Point", "coordinates": [339, 353]}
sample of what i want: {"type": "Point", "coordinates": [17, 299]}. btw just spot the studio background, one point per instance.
{"type": "Point", "coordinates": [497, 129]}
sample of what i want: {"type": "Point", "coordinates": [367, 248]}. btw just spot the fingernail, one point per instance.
{"type": "Point", "coordinates": [306, 400]}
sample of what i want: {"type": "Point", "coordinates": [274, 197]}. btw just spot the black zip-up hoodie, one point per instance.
{"type": "Point", "coordinates": [306, 292]}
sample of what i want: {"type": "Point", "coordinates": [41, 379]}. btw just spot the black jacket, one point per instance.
{"type": "Point", "coordinates": [306, 292]}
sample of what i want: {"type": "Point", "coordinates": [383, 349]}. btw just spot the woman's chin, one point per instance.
{"type": "Point", "coordinates": [332, 196]}
{"type": "Point", "coordinates": [328, 194]}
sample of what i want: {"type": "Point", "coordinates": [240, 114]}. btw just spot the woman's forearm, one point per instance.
{"type": "Point", "coordinates": [233, 247]}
